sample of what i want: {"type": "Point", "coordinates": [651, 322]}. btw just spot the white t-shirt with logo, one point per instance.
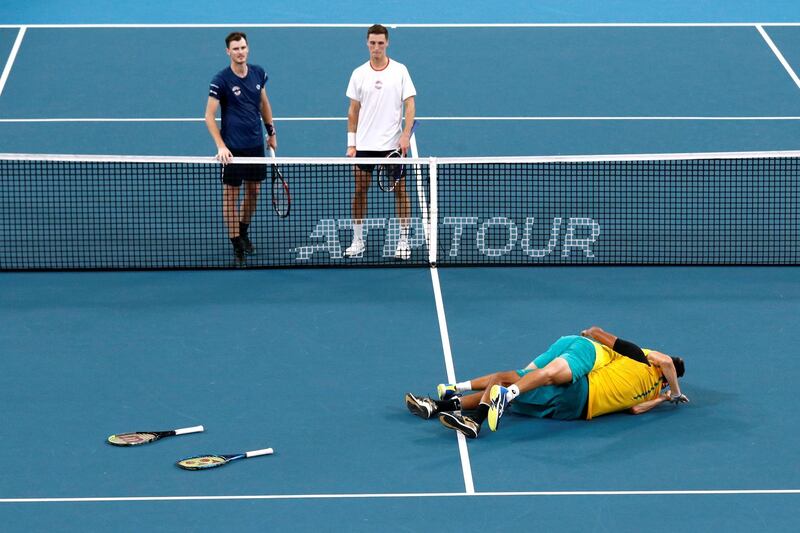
{"type": "Point", "coordinates": [381, 94]}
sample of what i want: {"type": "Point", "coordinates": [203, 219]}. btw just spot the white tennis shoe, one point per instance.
{"type": "Point", "coordinates": [356, 249]}
{"type": "Point", "coordinates": [403, 250]}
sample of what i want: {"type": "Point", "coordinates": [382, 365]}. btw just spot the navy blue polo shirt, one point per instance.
{"type": "Point", "coordinates": [240, 101]}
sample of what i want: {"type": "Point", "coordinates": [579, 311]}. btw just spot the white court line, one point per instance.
{"type": "Point", "coordinates": [11, 58]}
{"type": "Point", "coordinates": [779, 55]}
{"type": "Point", "coordinates": [466, 468]}
{"type": "Point", "coordinates": [422, 25]}
{"type": "Point", "coordinates": [463, 452]}
{"type": "Point", "coordinates": [742, 492]}
{"type": "Point", "coordinates": [443, 119]}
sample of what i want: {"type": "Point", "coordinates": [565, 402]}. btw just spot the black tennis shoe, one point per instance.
{"type": "Point", "coordinates": [463, 424]}
{"type": "Point", "coordinates": [249, 249]}
{"type": "Point", "coordinates": [422, 407]}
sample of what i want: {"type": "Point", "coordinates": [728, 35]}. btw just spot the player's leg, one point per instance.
{"type": "Point", "coordinates": [403, 205]}
{"type": "Point", "coordinates": [470, 425]}
{"type": "Point", "coordinates": [230, 213]}
{"type": "Point", "coordinates": [556, 372]}
{"type": "Point", "coordinates": [249, 205]}
{"type": "Point", "coordinates": [363, 177]}
{"type": "Point", "coordinates": [448, 390]}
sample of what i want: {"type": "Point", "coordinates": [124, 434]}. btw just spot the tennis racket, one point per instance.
{"type": "Point", "coordinates": [281, 199]}
{"type": "Point", "coordinates": [390, 174]}
{"type": "Point", "coordinates": [202, 462]}
{"type": "Point", "coordinates": [146, 437]}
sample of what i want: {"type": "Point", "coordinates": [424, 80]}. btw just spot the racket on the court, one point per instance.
{"type": "Point", "coordinates": [390, 174]}
{"type": "Point", "coordinates": [145, 437]}
{"type": "Point", "coordinates": [281, 199]}
{"type": "Point", "coordinates": [202, 462]}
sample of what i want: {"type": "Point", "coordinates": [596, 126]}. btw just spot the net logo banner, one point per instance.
{"type": "Point", "coordinates": [492, 237]}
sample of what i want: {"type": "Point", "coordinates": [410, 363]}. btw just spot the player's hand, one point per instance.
{"type": "Point", "coordinates": [224, 155]}
{"type": "Point", "coordinates": [678, 398]}
{"type": "Point", "coordinates": [405, 143]}
{"type": "Point", "coordinates": [272, 142]}
{"type": "Point", "coordinates": [351, 151]}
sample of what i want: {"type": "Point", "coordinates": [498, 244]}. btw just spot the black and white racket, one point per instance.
{"type": "Point", "coordinates": [145, 437]}
{"type": "Point", "coordinates": [390, 174]}
{"type": "Point", "coordinates": [203, 462]}
{"type": "Point", "coordinates": [281, 199]}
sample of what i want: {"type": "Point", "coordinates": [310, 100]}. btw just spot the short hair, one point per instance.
{"type": "Point", "coordinates": [235, 36]}
{"type": "Point", "coordinates": [680, 369]}
{"type": "Point", "coordinates": [378, 29]}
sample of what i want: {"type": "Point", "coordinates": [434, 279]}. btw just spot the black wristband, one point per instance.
{"type": "Point", "coordinates": [270, 129]}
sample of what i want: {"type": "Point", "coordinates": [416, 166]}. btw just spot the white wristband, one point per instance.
{"type": "Point", "coordinates": [351, 138]}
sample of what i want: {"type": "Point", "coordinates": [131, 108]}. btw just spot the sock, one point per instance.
{"type": "Point", "coordinates": [358, 231]}
{"type": "Point", "coordinates": [464, 386]}
{"type": "Point", "coordinates": [453, 404]}
{"type": "Point", "coordinates": [513, 392]}
{"type": "Point", "coordinates": [481, 413]}
{"type": "Point", "coordinates": [404, 233]}
{"type": "Point", "coordinates": [243, 229]}
{"type": "Point", "coordinates": [236, 242]}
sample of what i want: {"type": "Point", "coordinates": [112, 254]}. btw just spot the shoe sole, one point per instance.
{"type": "Point", "coordinates": [453, 424]}
{"type": "Point", "coordinates": [494, 416]}
{"type": "Point", "coordinates": [415, 408]}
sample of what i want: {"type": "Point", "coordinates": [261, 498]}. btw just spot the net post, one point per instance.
{"type": "Point", "coordinates": [433, 212]}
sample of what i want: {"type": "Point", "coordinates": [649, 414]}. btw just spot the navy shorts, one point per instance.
{"type": "Point", "coordinates": [371, 153]}
{"type": "Point", "coordinates": [234, 174]}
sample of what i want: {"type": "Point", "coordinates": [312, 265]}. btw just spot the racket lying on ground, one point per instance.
{"type": "Point", "coordinates": [281, 199]}
{"type": "Point", "coordinates": [390, 174]}
{"type": "Point", "coordinates": [202, 462]}
{"type": "Point", "coordinates": [146, 437]}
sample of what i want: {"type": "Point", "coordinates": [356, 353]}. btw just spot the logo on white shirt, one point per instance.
{"type": "Point", "coordinates": [378, 84]}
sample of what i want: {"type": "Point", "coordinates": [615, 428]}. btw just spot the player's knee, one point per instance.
{"type": "Point", "coordinates": [557, 372]}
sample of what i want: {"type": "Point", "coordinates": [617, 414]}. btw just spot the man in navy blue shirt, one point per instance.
{"type": "Point", "coordinates": [241, 93]}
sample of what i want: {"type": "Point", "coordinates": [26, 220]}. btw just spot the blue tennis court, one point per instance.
{"type": "Point", "coordinates": [315, 362]}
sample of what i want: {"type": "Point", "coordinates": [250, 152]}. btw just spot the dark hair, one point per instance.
{"type": "Point", "coordinates": [234, 36]}
{"type": "Point", "coordinates": [378, 29]}
{"type": "Point", "coordinates": [679, 366]}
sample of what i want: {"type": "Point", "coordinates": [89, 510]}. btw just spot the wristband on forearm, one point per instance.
{"type": "Point", "coordinates": [270, 129]}
{"type": "Point", "coordinates": [351, 138]}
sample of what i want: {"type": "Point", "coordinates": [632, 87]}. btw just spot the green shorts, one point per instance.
{"type": "Point", "coordinates": [576, 350]}
{"type": "Point", "coordinates": [562, 402]}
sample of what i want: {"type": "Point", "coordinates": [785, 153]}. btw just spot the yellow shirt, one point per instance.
{"type": "Point", "coordinates": [620, 385]}
{"type": "Point", "coordinates": [603, 355]}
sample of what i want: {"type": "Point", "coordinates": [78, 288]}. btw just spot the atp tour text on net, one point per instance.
{"type": "Point", "coordinates": [579, 234]}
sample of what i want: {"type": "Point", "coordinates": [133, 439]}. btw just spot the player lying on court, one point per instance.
{"type": "Point", "coordinates": [578, 377]}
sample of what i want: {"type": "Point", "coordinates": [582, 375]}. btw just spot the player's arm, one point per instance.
{"type": "Point", "coordinates": [664, 362]}
{"type": "Point", "coordinates": [411, 112]}
{"type": "Point", "coordinates": [266, 116]}
{"type": "Point", "coordinates": [603, 337]}
{"type": "Point", "coordinates": [649, 404]}
{"type": "Point", "coordinates": [223, 154]}
{"type": "Point", "coordinates": [352, 125]}
{"type": "Point", "coordinates": [621, 346]}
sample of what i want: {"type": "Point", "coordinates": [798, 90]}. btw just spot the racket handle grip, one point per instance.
{"type": "Point", "coordinates": [271, 151]}
{"type": "Point", "coordinates": [194, 429]}
{"type": "Point", "coordinates": [256, 453]}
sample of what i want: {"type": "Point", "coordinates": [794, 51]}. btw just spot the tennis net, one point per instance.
{"type": "Point", "coordinates": [106, 212]}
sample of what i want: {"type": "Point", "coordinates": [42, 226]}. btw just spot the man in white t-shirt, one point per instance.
{"type": "Point", "coordinates": [378, 91]}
